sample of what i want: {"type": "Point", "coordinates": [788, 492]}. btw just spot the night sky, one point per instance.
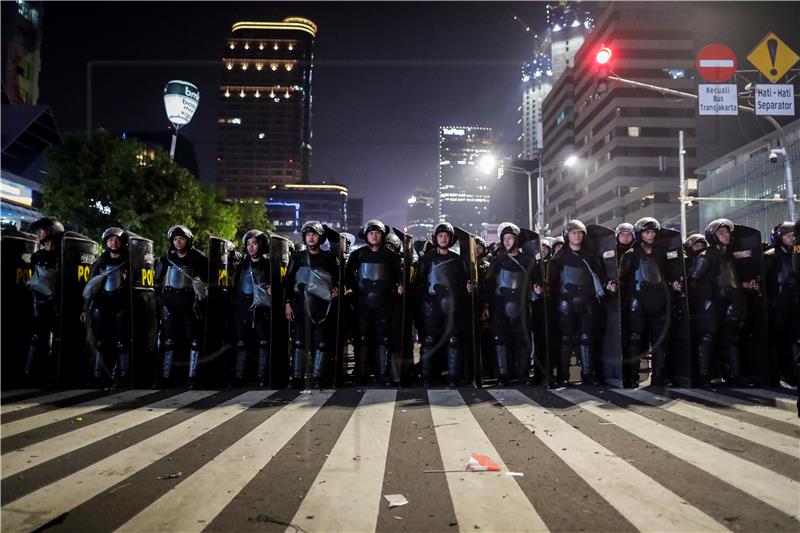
{"type": "Point", "coordinates": [386, 76]}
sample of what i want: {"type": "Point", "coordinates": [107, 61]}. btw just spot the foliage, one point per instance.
{"type": "Point", "coordinates": [100, 180]}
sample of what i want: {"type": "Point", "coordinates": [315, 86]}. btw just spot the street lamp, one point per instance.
{"type": "Point", "coordinates": [180, 102]}
{"type": "Point", "coordinates": [570, 161]}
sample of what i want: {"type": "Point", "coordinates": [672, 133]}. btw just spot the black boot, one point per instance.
{"type": "Point", "coordinates": [297, 368]}
{"type": "Point", "coordinates": [238, 375]}
{"type": "Point", "coordinates": [318, 369]}
{"type": "Point", "coordinates": [524, 365]}
{"type": "Point", "coordinates": [384, 365]}
{"type": "Point", "coordinates": [123, 367]}
{"type": "Point", "coordinates": [261, 374]}
{"type": "Point", "coordinates": [732, 367]}
{"type": "Point", "coordinates": [194, 359]}
{"type": "Point", "coordinates": [563, 364]}
{"type": "Point", "coordinates": [705, 356]}
{"type": "Point", "coordinates": [587, 366]}
{"type": "Point", "coordinates": [426, 364]}
{"type": "Point", "coordinates": [630, 366]}
{"type": "Point", "coordinates": [658, 378]}
{"type": "Point", "coordinates": [453, 365]}
{"type": "Point", "coordinates": [97, 368]}
{"type": "Point", "coordinates": [502, 365]}
{"type": "Point", "coordinates": [360, 356]}
{"type": "Point", "coordinates": [166, 369]}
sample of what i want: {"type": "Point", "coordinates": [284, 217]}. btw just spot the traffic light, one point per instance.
{"type": "Point", "coordinates": [603, 66]}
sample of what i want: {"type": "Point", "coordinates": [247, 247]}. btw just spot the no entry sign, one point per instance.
{"type": "Point", "coordinates": [716, 63]}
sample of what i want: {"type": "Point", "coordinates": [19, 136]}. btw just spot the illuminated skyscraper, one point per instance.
{"type": "Point", "coordinates": [265, 106]}
{"type": "Point", "coordinates": [463, 187]}
{"type": "Point", "coordinates": [421, 213]}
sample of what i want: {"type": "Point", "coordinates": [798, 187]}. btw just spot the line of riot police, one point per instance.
{"type": "Point", "coordinates": [620, 303]}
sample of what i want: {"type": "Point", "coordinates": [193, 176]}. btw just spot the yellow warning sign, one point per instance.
{"type": "Point", "coordinates": [772, 57]}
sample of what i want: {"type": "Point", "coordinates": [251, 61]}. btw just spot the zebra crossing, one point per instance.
{"type": "Point", "coordinates": [595, 459]}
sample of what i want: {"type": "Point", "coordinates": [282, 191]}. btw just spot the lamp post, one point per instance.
{"type": "Point", "coordinates": [180, 102]}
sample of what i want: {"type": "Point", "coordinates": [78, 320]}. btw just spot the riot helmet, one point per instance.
{"type": "Point", "coordinates": [778, 232]}
{"type": "Point", "coordinates": [177, 231]}
{"type": "Point", "coordinates": [313, 226]}
{"type": "Point", "coordinates": [393, 242]}
{"type": "Point", "coordinates": [713, 226]}
{"type": "Point", "coordinates": [115, 232]}
{"type": "Point", "coordinates": [625, 227]}
{"type": "Point", "coordinates": [571, 225]}
{"type": "Point", "coordinates": [256, 234]}
{"type": "Point", "coordinates": [547, 242]}
{"type": "Point", "coordinates": [445, 227]}
{"type": "Point", "coordinates": [53, 227]}
{"type": "Point", "coordinates": [644, 224]}
{"type": "Point", "coordinates": [373, 224]}
{"type": "Point", "coordinates": [558, 243]}
{"type": "Point", "coordinates": [694, 238]}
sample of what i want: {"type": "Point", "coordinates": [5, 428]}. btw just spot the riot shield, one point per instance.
{"type": "Point", "coordinates": [217, 346]}
{"type": "Point", "coordinates": [530, 243]}
{"type": "Point", "coordinates": [677, 336]}
{"type": "Point", "coordinates": [402, 332]}
{"type": "Point", "coordinates": [749, 261]}
{"type": "Point", "coordinates": [338, 245]}
{"type": "Point", "coordinates": [468, 314]}
{"type": "Point", "coordinates": [15, 265]}
{"type": "Point", "coordinates": [280, 250]}
{"type": "Point", "coordinates": [601, 242]}
{"type": "Point", "coordinates": [78, 253]}
{"type": "Point", "coordinates": [144, 317]}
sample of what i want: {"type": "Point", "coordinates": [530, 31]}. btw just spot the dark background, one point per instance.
{"type": "Point", "coordinates": [386, 76]}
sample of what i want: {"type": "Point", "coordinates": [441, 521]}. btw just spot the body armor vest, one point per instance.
{"type": "Point", "coordinates": [441, 275]}
{"type": "Point", "coordinates": [510, 280]}
{"type": "Point", "coordinates": [47, 277]}
{"type": "Point", "coordinates": [245, 284]}
{"type": "Point", "coordinates": [579, 277]}
{"type": "Point", "coordinates": [728, 278]}
{"type": "Point", "coordinates": [372, 283]}
{"type": "Point", "coordinates": [648, 272]}
{"type": "Point", "coordinates": [301, 279]}
{"type": "Point", "coordinates": [177, 278]}
{"type": "Point", "coordinates": [785, 271]}
{"type": "Point", "coordinates": [115, 279]}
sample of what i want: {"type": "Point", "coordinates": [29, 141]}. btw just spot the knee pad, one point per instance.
{"type": "Point", "coordinates": [195, 345]}
{"type": "Point", "coordinates": [322, 345]}
{"type": "Point", "coordinates": [566, 339]}
{"type": "Point", "coordinates": [120, 346]}
{"type": "Point", "coordinates": [169, 344]}
{"type": "Point", "coordinates": [499, 340]}
{"type": "Point", "coordinates": [262, 345]}
{"type": "Point", "coordinates": [297, 344]}
{"type": "Point", "coordinates": [586, 339]}
{"type": "Point", "coordinates": [427, 341]}
{"type": "Point", "coordinates": [240, 345]}
{"type": "Point", "coordinates": [452, 342]}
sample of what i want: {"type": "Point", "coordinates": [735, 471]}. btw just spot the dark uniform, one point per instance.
{"type": "Point", "coordinates": [506, 293]}
{"type": "Point", "coordinates": [251, 314]}
{"type": "Point", "coordinates": [783, 297]}
{"type": "Point", "coordinates": [720, 303]}
{"type": "Point", "coordinates": [440, 283]}
{"type": "Point", "coordinates": [44, 284]}
{"type": "Point", "coordinates": [643, 277]}
{"type": "Point", "coordinates": [181, 318]}
{"type": "Point", "coordinates": [110, 311]}
{"type": "Point", "coordinates": [311, 329]}
{"type": "Point", "coordinates": [373, 277]}
{"type": "Point", "coordinates": [573, 279]}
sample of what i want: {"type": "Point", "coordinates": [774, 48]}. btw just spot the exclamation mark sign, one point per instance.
{"type": "Point", "coordinates": [772, 46]}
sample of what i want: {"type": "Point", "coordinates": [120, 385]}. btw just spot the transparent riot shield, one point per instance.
{"type": "Point", "coordinates": [602, 243]}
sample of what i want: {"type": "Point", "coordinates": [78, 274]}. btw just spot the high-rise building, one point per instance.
{"type": "Point", "coordinates": [625, 139]}
{"type": "Point", "coordinates": [464, 193]}
{"type": "Point", "coordinates": [538, 80]}
{"type": "Point", "coordinates": [421, 214]}
{"type": "Point", "coordinates": [568, 24]}
{"type": "Point", "coordinates": [265, 106]}
{"type": "Point", "coordinates": [355, 215]}
{"type": "Point", "coordinates": [290, 205]}
{"type": "Point", "coordinates": [748, 175]}
{"type": "Point", "coordinates": [21, 50]}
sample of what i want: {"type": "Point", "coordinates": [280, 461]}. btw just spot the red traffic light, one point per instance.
{"type": "Point", "coordinates": [603, 56]}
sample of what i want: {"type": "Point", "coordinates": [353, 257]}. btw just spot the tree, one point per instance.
{"type": "Point", "coordinates": [99, 180]}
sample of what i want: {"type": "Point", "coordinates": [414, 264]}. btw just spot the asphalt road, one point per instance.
{"type": "Point", "coordinates": [586, 459]}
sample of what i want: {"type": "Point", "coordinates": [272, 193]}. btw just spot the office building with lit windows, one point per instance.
{"type": "Point", "coordinates": [464, 193]}
{"type": "Point", "coordinates": [265, 106]}
{"type": "Point", "coordinates": [625, 139]}
{"type": "Point", "coordinates": [289, 205]}
{"type": "Point", "coordinates": [21, 50]}
{"type": "Point", "coordinates": [421, 214]}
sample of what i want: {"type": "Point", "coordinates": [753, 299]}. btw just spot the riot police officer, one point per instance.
{"type": "Point", "coordinates": [547, 248]}
{"type": "Point", "coordinates": [110, 308]}
{"type": "Point", "coordinates": [644, 277]}
{"type": "Point", "coordinates": [558, 244]}
{"type": "Point", "coordinates": [44, 284]}
{"type": "Point", "coordinates": [625, 235]}
{"type": "Point", "coordinates": [310, 286]}
{"type": "Point", "coordinates": [720, 302]}
{"type": "Point", "coordinates": [577, 283]}
{"type": "Point", "coordinates": [252, 301]}
{"type": "Point", "coordinates": [506, 295]}
{"type": "Point", "coordinates": [373, 273]}
{"type": "Point", "coordinates": [393, 243]}
{"type": "Point", "coordinates": [694, 245]}
{"type": "Point", "coordinates": [783, 297]}
{"type": "Point", "coordinates": [180, 279]}
{"type": "Point", "coordinates": [440, 283]}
